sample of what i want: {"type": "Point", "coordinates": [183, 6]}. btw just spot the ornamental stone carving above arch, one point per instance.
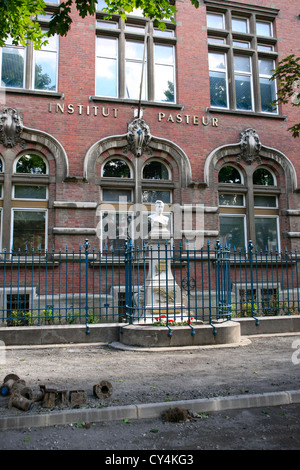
{"type": "Point", "coordinates": [13, 133]}
{"type": "Point", "coordinates": [137, 143]}
{"type": "Point", "coordinates": [250, 149]}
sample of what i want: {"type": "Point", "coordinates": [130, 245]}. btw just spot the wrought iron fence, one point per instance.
{"type": "Point", "coordinates": [166, 285]}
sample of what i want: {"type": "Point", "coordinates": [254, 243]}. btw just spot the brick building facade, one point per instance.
{"type": "Point", "coordinates": [73, 118]}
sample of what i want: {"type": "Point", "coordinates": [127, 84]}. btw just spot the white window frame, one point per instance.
{"type": "Point", "coordinates": [246, 74]}
{"type": "Point", "coordinates": [29, 199]}
{"type": "Point", "coordinates": [226, 78]}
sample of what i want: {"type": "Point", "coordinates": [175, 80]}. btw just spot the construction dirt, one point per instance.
{"type": "Point", "coordinates": [258, 365]}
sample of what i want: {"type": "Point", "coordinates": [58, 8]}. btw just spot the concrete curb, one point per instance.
{"type": "Point", "coordinates": [151, 410]}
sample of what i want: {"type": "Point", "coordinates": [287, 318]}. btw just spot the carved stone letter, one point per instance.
{"type": "Point", "coordinates": [11, 127]}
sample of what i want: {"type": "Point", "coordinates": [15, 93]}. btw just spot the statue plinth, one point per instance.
{"type": "Point", "coordinates": [163, 295]}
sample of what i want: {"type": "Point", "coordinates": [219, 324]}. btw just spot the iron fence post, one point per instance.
{"type": "Point", "coordinates": [128, 281]}
{"type": "Point", "coordinates": [250, 253]}
{"type": "Point", "coordinates": [87, 330]}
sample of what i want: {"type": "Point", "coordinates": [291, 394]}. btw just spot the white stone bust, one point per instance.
{"type": "Point", "coordinates": [159, 222]}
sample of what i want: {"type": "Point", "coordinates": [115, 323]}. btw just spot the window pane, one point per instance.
{"type": "Point", "coordinates": [218, 90]}
{"type": "Point", "coordinates": [106, 77]}
{"type": "Point", "coordinates": [30, 192]}
{"type": "Point", "coordinates": [117, 195]}
{"type": "Point", "coordinates": [215, 21]}
{"type": "Point", "coordinates": [13, 62]}
{"type": "Point", "coordinates": [116, 229]}
{"type": "Point", "coordinates": [45, 70]}
{"type": "Point", "coordinates": [241, 44]}
{"type": "Point", "coordinates": [265, 66]}
{"type": "Point", "coordinates": [240, 25]}
{"type": "Point", "coordinates": [155, 171]}
{"type": "Point", "coordinates": [164, 73]}
{"type": "Point", "coordinates": [133, 74]}
{"type": "Point", "coordinates": [134, 50]}
{"type": "Point", "coordinates": [266, 232]}
{"type": "Point", "coordinates": [242, 64]}
{"type": "Point", "coordinates": [217, 61]}
{"type": "Point", "coordinates": [107, 67]}
{"type": "Point", "coordinates": [167, 32]}
{"type": "Point", "coordinates": [229, 174]}
{"type": "Point", "coordinates": [265, 201]}
{"type": "Point", "coordinates": [135, 28]}
{"type": "Point", "coordinates": [263, 177]}
{"type": "Point", "coordinates": [116, 169]}
{"type": "Point", "coordinates": [268, 95]}
{"type": "Point", "coordinates": [106, 24]}
{"type": "Point", "coordinates": [31, 164]}
{"type": "Point", "coordinates": [215, 40]}
{"type": "Point", "coordinates": [232, 232]}
{"type": "Point", "coordinates": [243, 92]}
{"type": "Point", "coordinates": [150, 197]}
{"type": "Point", "coordinates": [231, 200]}
{"type": "Point", "coordinates": [29, 230]}
{"type": "Point", "coordinates": [263, 28]}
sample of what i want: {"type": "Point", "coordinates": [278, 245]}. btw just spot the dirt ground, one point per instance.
{"type": "Point", "coordinates": [264, 364]}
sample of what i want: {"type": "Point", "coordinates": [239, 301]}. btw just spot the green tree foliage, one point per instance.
{"type": "Point", "coordinates": [287, 74]}
{"type": "Point", "coordinates": [18, 17]}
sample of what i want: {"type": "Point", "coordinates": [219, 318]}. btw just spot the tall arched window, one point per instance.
{"type": "Point", "coordinates": [31, 163]}
{"type": "Point", "coordinates": [232, 207]}
{"type": "Point", "coordinates": [248, 208]}
{"type": "Point", "coordinates": [116, 168]}
{"type": "Point", "coordinates": [155, 170]}
{"type": "Point", "coordinates": [30, 207]}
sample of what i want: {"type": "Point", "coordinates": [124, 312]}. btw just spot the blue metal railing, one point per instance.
{"type": "Point", "coordinates": [166, 285]}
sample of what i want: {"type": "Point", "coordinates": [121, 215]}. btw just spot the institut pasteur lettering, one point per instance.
{"type": "Point", "coordinates": [119, 114]}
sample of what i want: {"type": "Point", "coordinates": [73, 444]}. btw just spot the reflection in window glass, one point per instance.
{"type": "Point", "coordinates": [134, 52]}
{"type": "Point", "coordinates": [29, 228]}
{"type": "Point", "coordinates": [33, 164]}
{"type": "Point", "coordinates": [13, 66]}
{"type": "Point", "coordinates": [45, 66]}
{"type": "Point", "coordinates": [117, 195]}
{"type": "Point", "coordinates": [231, 200]}
{"type": "Point", "coordinates": [218, 80]}
{"type": "Point", "coordinates": [263, 28]}
{"type": "Point", "coordinates": [263, 176]}
{"type": "Point", "coordinates": [267, 87]}
{"type": "Point", "coordinates": [229, 174]}
{"type": "Point", "coordinates": [265, 201]}
{"type": "Point", "coordinates": [150, 196]}
{"type": "Point", "coordinates": [107, 66]}
{"type": "Point", "coordinates": [243, 82]}
{"type": "Point", "coordinates": [215, 21]}
{"type": "Point", "coordinates": [164, 73]}
{"type": "Point", "coordinates": [30, 192]}
{"type": "Point", "coordinates": [116, 168]}
{"type": "Point", "coordinates": [117, 228]}
{"type": "Point", "coordinates": [240, 25]}
{"type": "Point", "coordinates": [266, 232]}
{"type": "Point", "coordinates": [232, 231]}
{"type": "Point", "coordinates": [243, 44]}
{"type": "Point", "coordinates": [155, 170]}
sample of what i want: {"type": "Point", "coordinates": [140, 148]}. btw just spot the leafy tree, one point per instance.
{"type": "Point", "coordinates": [287, 73]}
{"type": "Point", "coordinates": [18, 17]}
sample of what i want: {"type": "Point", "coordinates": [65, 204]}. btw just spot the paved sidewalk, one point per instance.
{"type": "Point", "coordinates": [261, 374]}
